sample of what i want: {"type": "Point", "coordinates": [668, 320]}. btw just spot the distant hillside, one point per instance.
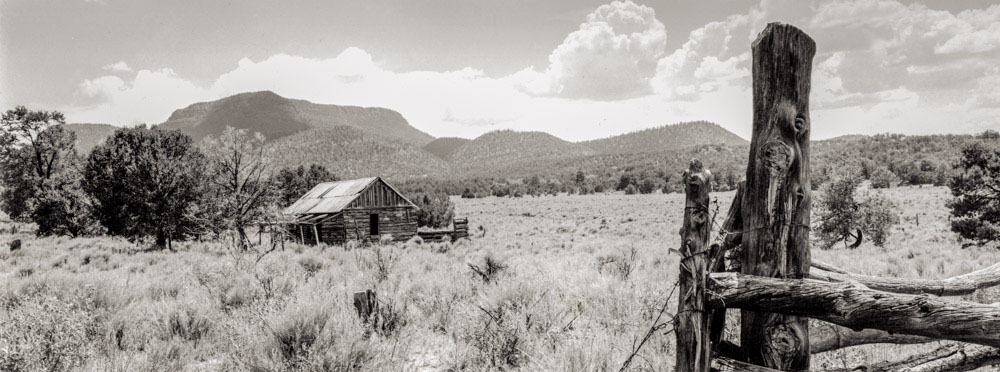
{"type": "Point", "coordinates": [443, 147]}
{"type": "Point", "coordinates": [668, 137]}
{"type": "Point", "coordinates": [89, 135]}
{"type": "Point", "coordinates": [352, 153]}
{"type": "Point", "coordinates": [506, 149]}
{"type": "Point", "coordinates": [275, 117]}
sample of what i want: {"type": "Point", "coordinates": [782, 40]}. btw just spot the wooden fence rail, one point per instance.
{"type": "Point", "coordinates": [773, 279]}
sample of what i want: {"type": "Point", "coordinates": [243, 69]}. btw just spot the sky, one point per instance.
{"type": "Point", "coordinates": [578, 69]}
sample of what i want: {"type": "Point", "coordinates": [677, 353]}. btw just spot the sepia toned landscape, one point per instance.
{"type": "Point", "coordinates": [560, 185]}
{"type": "Point", "coordinates": [583, 277]}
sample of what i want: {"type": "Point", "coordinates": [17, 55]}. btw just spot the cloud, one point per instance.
{"type": "Point", "coordinates": [149, 97]}
{"type": "Point", "coordinates": [880, 66]}
{"type": "Point", "coordinates": [611, 56]}
{"type": "Point", "coordinates": [119, 66]}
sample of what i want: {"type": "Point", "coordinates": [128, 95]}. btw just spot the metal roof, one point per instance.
{"type": "Point", "coordinates": [332, 197]}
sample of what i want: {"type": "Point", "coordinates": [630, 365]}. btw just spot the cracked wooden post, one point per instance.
{"type": "Point", "coordinates": [776, 204]}
{"type": "Point", "coordinates": [691, 329]}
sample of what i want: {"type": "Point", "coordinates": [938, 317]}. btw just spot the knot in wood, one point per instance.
{"type": "Point", "coordinates": [776, 157]}
{"type": "Point", "coordinates": [698, 217]}
{"type": "Point", "coordinates": [783, 340]}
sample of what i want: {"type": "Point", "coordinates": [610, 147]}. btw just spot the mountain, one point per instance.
{"type": "Point", "coordinates": [445, 146]}
{"type": "Point", "coordinates": [667, 137]}
{"type": "Point", "coordinates": [350, 152]}
{"type": "Point", "coordinates": [275, 117]}
{"type": "Point", "coordinates": [89, 135]}
{"type": "Point", "coordinates": [503, 150]}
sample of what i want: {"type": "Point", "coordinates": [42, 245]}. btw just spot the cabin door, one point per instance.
{"type": "Point", "coordinates": [373, 224]}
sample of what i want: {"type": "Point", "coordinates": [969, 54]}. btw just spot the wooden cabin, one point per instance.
{"type": "Point", "coordinates": [362, 209]}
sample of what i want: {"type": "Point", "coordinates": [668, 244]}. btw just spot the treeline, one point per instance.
{"type": "Point", "coordinates": [148, 184]}
{"type": "Point", "coordinates": [886, 160]}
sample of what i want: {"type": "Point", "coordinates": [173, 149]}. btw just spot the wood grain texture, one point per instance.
{"type": "Point", "coordinates": [776, 204]}
{"type": "Point", "coordinates": [731, 228]}
{"type": "Point", "coordinates": [691, 329]}
{"type": "Point", "coordinates": [825, 337]}
{"type": "Point", "coordinates": [954, 286]}
{"type": "Point", "coordinates": [859, 308]}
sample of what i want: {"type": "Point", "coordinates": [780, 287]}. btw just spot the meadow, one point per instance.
{"type": "Point", "coordinates": [571, 283]}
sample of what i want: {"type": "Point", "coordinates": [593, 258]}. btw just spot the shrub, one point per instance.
{"type": "Point", "coordinates": [311, 265]}
{"type": "Point", "coordinates": [436, 209]}
{"type": "Point", "coordinates": [43, 334]}
{"type": "Point", "coordinates": [490, 270]}
{"type": "Point", "coordinates": [840, 215]}
{"type": "Point", "coordinates": [297, 330]}
{"type": "Point", "coordinates": [630, 190]}
{"type": "Point", "coordinates": [185, 322]}
{"type": "Point", "coordinates": [882, 177]}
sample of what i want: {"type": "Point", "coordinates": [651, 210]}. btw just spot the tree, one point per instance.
{"type": "Point", "coordinates": [292, 183]}
{"type": "Point", "coordinates": [842, 216]}
{"type": "Point", "coordinates": [145, 183]}
{"type": "Point", "coordinates": [975, 185]}
{"type": "Point", "coordinates": [39, 173]}
{"type": "Point", "coordinates": [240, 178]}
{"type": "Point", "coordinates": [33, 147]}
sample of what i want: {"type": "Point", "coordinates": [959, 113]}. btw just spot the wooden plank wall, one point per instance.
{"type": "Point", "coordinates": [378, 195]}
{"type": "Point", "coordinates": [397, 221]}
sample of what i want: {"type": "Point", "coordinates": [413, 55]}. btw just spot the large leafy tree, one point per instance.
{"type": "Point", "coordinates": [145, 183]}
{"type": "Point", "coordinates": [40, 172]}
{"type": "Point", "coordinates": [240, 166]}
{"type": "Point", "coordinates": [292, 183]}
{"type": "Point", "coordinates": [975, 209]}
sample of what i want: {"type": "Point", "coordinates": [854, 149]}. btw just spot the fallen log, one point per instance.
{"type": "Point", "coordinates": [723, 364]}
{"type": "Point", "coordinates": [954, 286]}
{"type": "Point", "coordinates": [825, 337]}
{"type": "Point", "coordinates": [859, 308]}
{"type": "Point", "coordinates": [950, 358]}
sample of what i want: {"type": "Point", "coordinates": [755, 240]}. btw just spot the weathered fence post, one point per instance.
{"type": "Point", "coordinates": [693, 352]}
{"type": "Point", "coordinates": [776, 204]}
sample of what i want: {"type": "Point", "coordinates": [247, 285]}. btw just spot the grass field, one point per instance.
{"type": "Point", "coordinates": [585, 278]}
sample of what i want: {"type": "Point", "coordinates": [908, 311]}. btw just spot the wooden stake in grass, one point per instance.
{"type": "Point", "coordinates": [693, 352]}
{"type": "Point", "coordinates": [776, 203]}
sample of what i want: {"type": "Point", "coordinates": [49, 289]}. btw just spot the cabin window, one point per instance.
{"type": "Point", "coordinates": [373, 224]}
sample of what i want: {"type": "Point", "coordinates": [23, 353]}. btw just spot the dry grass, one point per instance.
{"type": "Point", "coordinates": [575, 280]}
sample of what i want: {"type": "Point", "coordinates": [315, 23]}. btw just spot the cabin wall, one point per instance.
{"type": "Point", "coordinates": [399, 222]}
{"type": "Point", "coordinates": [378, 195]}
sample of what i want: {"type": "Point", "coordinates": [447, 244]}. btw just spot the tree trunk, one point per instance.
{"type": "Point", "coordinates": [858, 308]}
{"type": "Point", "coordinates": [776, 205]}
{"type": "Point", "coordinates": [691, 330]}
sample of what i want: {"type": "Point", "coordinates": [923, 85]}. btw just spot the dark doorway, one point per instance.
{"type": "Point", "coordinates": [373, 224]}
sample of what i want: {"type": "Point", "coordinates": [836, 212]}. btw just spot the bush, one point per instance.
{"type": "Point", "coordinates": [841, 216]}
{"type": "Point", "coordinates": [490, 270]}
{"type": "Point", "coordinates": [630, 190]}
{"type": "Point", "coordinates": [295, 333]}
{"type": "Point", "coordinates": [436, 209]}
{"type": "Point", "coordinates": [882, 178]}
